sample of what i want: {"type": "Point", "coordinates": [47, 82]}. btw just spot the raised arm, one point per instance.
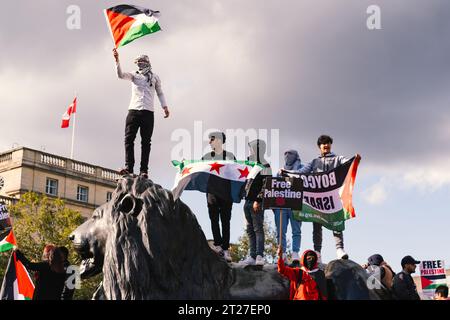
{"type": "Point", "coordinates": [27, 263]}
{"type": "Point", "coordinates": [120, 74]}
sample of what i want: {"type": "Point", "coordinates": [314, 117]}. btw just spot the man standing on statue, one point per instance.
{"type": "Point", "coordinates": [144, 84]}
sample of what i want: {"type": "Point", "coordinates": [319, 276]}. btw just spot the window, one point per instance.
{"type": "Point", "coordinates": [108, 196]}
{"type": "Point", "coordinates": [82, 193]}
{"type": "Point", "coordinates": [51, 187]}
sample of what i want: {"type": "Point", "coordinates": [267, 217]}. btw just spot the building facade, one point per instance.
{"type": "Point", "coordinates": [82, 186]}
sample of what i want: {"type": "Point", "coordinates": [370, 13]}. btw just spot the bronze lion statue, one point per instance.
{"type": "Point", "coordinates": [149, 246]}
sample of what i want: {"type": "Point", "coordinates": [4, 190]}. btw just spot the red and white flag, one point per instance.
{"type": "Point", "coordinates": [66, 116]}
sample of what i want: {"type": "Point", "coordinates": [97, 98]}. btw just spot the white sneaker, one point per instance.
{"type": "Point", "coordinates": [260, 261]}
{"type": "Point", "coordinates": [249, 261]}
{"type": "Point", "coordinates": [295, 256]}
{"type": "Point", "coordinates": [341, 254]}
{"type": "Point", "coordinates": [227, 256]}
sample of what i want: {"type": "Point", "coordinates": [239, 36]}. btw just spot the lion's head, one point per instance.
{"type": "Point", "coordinates": [149, 246]}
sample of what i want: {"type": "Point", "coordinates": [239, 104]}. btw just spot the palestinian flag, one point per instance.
{"type": "Point", "coordinates": [327, 196]}
{"type": "Point", "coordinates": [127, 23]}
{"type": "Point", "coordinates": [8, 242]}
{"type": "Point", "coordinates": [5, 229]}
{"type": "Point", "coordinates": [17, 284]}
{"type": "Point", "coordinates": [225, 179]}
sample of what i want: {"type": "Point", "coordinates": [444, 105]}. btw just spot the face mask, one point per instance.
{"type": "Point", "coordinates": [142, 65]}
{"type": "Point", "coordinates": [310, 264]}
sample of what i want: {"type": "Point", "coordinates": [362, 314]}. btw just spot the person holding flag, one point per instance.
{"type": "Point", "coordinates": [325, 162]}
{"type": "Point", "coordinates": [52, 275]}
{"type": "Point", "coordinates": [144, 85]}
{"type": "Point", "coordinates": [217, 206]}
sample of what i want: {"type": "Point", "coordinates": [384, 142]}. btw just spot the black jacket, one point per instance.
{"type": "Point", "coordinates": [49, 284]}
{"type": "Point", "coordinates": [254, 187]}
{"type": "Point", "coordinates": [404, 288]}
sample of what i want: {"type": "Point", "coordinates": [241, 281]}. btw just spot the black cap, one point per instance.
{"type": "Point", "coordinates": [409, 260]}
{"type": "Point", "coordinates": [375, 260]}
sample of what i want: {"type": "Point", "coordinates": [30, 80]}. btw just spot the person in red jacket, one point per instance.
{"type": "Point", "coordinates": [308, 281]}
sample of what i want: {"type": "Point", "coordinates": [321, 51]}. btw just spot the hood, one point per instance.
{"type": "Point", "coordinates": [303, 261]}
{"type": "Point", "coordinates": [292, 160]}
{"type": "Point", "coordinates": [258, 149]}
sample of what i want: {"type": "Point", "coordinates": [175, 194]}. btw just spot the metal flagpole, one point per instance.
{"type": "Point", "coordinates": [281, 226]}
{"type": "Point", "coordinates": [73, 128]}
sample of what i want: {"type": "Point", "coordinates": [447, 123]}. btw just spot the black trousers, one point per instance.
{"type": "Point", "coordinates": [220, 209]}
{"type": "Point", "coordinates": [142, 120]}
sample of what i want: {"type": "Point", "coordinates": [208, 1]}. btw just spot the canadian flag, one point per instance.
{"type": "Point", "coordinates": [66, 116]}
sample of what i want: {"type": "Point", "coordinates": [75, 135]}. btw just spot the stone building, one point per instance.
{"type": "Point", "coordinates": [82, 186]}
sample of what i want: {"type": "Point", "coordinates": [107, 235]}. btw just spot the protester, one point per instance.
{"type": "Point", "coordinates": [141, 111]}
{"type": "Point", "coordinates": [69, 288]}
{"type": "Point", "coordinates": [325, 162]}
{"type": "Point", "coordinates": [291, 162]}
{"type": "Point", "coordinates": [51, 278]}
{"type": "Point", "coordinates": [254, 214]}
{"type": "Point", "coordinates": [377, 265]}
{"type": "Point", "coordinates": [47, 250]}
{"type": "Point", "coordinates": [307, 282]}
{"type": "Point", "coordinates": [441, 293]}
{"type": "Point", "coordinates": [403, 286]}
{"type": "Point", "coordinates": [218, 207]}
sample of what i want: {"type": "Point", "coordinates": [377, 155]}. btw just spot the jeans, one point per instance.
{"type": "Point", "coordinates": [255, 229]}
{"type": "Point", "coordinates": [295, 226]}
{"type": "Point", "coordinates": [219, 208]}
{"type": "Point", "coordinates": [317, 237]}
{"type": "Point", "coordinates": [143, 120]}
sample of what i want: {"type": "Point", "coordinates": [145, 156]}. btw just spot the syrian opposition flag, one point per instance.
{"type": "Point", "coordinates": [225, 179]}
{"type": "Point", "coordinates": [17, 284]}
{"type": "Point", "coordinates": [127, 23]}
{"type": "Point", "coordinates": [70, 110]}
{"type": "Point", "coordinates": [327, 196]}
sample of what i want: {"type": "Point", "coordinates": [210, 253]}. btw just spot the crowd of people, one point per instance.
{"type": "Point", "coordinates": [306, 274]}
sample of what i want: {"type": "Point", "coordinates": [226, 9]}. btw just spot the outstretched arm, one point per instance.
{"type": "Point", "coordinates": [120, 74]}
{"type": "Point", "coordinates": [286, 271]}
{"type": "Point", "coordinates": [27, 263]}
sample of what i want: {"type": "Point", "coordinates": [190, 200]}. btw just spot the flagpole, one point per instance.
{"type": "Point", "coordinates": [73, 129]}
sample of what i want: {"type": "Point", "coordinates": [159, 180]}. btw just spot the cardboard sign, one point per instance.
{"type": "Point", "coordinates": [432, 275]}
{"type": "Point", "coordinates": [282, 193]}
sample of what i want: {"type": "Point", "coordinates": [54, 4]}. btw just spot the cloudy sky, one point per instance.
{"type": "Point", "coordinates": [296, 68]}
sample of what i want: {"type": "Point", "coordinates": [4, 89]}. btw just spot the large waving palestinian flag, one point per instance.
{"type": "Point", "coordinates": [327, 196]}
{"type": "Point", "coordinates": [127, 23]}
{"type": "Point", "coordinates": [224, 178]}
{"type": "Point", "coordinates": [17, 284]}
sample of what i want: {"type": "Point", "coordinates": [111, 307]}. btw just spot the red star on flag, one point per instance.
{"type": "Point", "coordinates": [186, 171]}
{"type": "Point", "coordinates": [244, 173]}
{"type": "Point", "coordinates": [216, 166]}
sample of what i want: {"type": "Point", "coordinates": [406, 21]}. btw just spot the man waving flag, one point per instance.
{"type": "Point", "coordinates": [128, 23]}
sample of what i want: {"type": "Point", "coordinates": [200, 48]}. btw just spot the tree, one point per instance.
{"type": "Point", "coordinates": [241, 249]}
{"type": "Point", "coordinates": [37, 221]}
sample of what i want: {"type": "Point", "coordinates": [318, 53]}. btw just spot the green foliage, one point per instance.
{"type": "Point", "coordinates": [241, 250]}
{"type": "Point", "coordinates": [37, 221]}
